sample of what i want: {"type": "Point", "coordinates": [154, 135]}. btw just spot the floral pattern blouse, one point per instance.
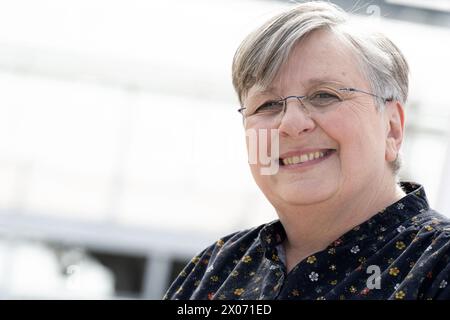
{"type": "Point", "coordinates": [402, 252]}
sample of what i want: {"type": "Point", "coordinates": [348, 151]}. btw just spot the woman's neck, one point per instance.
{"type": "Point", "coordinates": [311, 229]}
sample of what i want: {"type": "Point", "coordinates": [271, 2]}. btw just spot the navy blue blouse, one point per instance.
{"type": "Point", "coordinates": [402, 252]}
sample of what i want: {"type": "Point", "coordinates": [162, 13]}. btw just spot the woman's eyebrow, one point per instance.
{"type": "Point", "coordinates": [319, 81]}
{"type": "Point", "coordinates": [311, 82]}
{"type": "Point", "coordinates": [264, 93]}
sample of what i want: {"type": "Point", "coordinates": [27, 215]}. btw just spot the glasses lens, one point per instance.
{"type": "Point", "coordinates": [269, 108]}
{"type": "Point", "coordinates": [322, 100]}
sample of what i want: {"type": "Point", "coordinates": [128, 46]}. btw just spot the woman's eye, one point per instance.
{"type": "Point", "coordinates": [323, 98]}
{"type": "Point", "coordinates": [270, 106]}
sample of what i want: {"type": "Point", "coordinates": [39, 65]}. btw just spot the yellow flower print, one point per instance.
{"type": "Point", "coordinates": [234, 273]}
{"type": "Point", "coordinates": [275, 257]}
{"type": "Point", "coordinates": [353, 289]}
{"type": "Point", "coordinates": [196, 283]}
{"type": "Point", "coordinates": [332, 267]}
{"type": "Point", "coordinates": [399, 295]}
{"type": "Point", "coordinates": [295, 293]}
{"type": "Point", "coordinates": [333, 282]}
{"type": "Point", "coordinates": [195, 260]}
{"type": "Point", "coordinates": [251, 274]}
{"type": "Point", "coordinates": [331, 251]}
{"type": "Point", "coordinates": [179, 290]}
{"type": "Point", "coordinates": [239, 291]}
{"type": "Point", "coordinates": [429, 228]}
{"type": "Point", "coordinates": [247, 259]}
{"type": "Point", "coordinates": [214, 278]}
{"type": "Point", "coordinates": [400, 245]}
{"type": "Point", "coordinates": [183, 274]}
{"type": "Point", "coordinates": [394, 271]}
{"type": "Point", "coordinates": [219, 243]}
{"type": "Point", "coordinates": [311, 259]}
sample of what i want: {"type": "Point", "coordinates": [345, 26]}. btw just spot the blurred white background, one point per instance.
{"type": "Point", "coordinates": [121, 151]}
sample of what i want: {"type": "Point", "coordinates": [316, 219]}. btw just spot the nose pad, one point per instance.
{"type": "Point", "coordinates": [300, 101]}
{"type": "Point", "coordinates": [295, 123]}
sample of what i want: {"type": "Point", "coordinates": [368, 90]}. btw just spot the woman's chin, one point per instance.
{"type": "Point", "coordinates": [306, 194]}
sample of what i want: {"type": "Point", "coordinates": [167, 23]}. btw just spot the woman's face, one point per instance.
{"type": "Point", "coordinates": [353, 136]}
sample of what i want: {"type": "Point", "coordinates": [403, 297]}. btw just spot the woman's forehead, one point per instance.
{"type": "Point", "coordinates": [320, 59]}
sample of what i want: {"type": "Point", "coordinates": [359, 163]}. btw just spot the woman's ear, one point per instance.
{"type": "Point", "coordinates": [395, 117]}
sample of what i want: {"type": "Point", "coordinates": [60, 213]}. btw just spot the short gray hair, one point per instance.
{"type": "Point", "coordinates": [265, 50]}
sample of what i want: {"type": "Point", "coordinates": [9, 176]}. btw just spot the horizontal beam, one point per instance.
{"type": "Point", "coordinates": [132, 75]}
{"type": "Point", "coordinates": [102, 236]}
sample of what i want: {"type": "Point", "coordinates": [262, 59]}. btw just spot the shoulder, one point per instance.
{"type": "Point", "coordinates": [430, 225]}
{"type": "Point", "coordinates": [225, 251]}
{"type": "Point", "coordinates": [432, 233]}
{"type": "Point", "coordinates": [433, 245]}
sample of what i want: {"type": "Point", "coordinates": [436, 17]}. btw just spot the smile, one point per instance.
{"type": "Point", "coordinates": [306, 158]}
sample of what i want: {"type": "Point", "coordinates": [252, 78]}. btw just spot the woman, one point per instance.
{"type": "Point", "coordinates": [347, 229]}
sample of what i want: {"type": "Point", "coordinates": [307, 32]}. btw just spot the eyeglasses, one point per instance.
{"type": "Point", "coordinates": [321, 100]}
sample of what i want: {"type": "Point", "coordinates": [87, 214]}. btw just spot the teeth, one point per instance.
{"type": "Point", "coordinates": [303, 158]}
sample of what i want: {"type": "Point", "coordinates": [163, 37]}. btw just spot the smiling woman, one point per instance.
{"type": "Point", "coordinates": [347, 228]}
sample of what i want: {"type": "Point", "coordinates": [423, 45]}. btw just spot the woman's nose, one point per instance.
{"type": "Point", "coordinates": [295, 119]}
